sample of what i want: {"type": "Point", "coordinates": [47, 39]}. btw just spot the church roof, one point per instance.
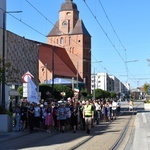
{"type": "Point", "coordinates": [55, 31]}
{"type": "Point", "coordinates": [69, 5]}
{"type": "Point", "coordinates": [78, 29]}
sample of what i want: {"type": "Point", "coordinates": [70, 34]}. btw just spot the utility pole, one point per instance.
{"type": "Point", "coordinates": [77, 76]}
{"type": "Point", "coordinates": [94, 86]}
{"type": "Point", "coordinates": [3, 56]}
{"type": "Point", "coordinates": [53, 68]}
{"type": "Point", "coordinates": [3, 61]}
{"type": "Point", "coordinates": [46, 72]}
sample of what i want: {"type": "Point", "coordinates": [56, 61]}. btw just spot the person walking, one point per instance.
{"type": "Point", "coordinates": [114, 108]}
{"type": "Point", "coordinates": [23, 112]}
{"type": "Point", "coordinates": [49, 121]}
{"type": "Point", "coordinates": [74, 117]}
{"type": "Point", "coordinates": [30, 116]}
{"type": "Point", "coordinates": [88, 115]}
{"type": "Point", "coordinates": [17, 118]}
{"type": "Point", "coordinates": [62, 116]}
{"type": "Point", "coordinates": [131, 105]}
{"type": "Point", "coordinates": [37, 112]}
{"type": "Point", "coordinates": [98, 111]}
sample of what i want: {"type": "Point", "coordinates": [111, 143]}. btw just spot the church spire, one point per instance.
{"type": "Point", "coordinates": [69, 5]}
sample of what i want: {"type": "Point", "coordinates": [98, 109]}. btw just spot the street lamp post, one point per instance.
{"type": "Point", "coordinates": [94, 79]}
{"type": "Point", "coordinates": [3, 61]}
{"type": "Point", "coordinates": [77, 76]}
{"type": "Point", "coordinates": [3, 56]}
{"type": "Point", "coordinates": [94, 86]}
{"type": "Point", "coordinates": [94, 74]}
{"type": "Point", "coordinates": [53, 73]}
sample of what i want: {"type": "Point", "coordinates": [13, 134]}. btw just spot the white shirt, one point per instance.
{"type": "Point", "coordinates": [114, 105]}
{"type": "Point", "coordinates": [97, 106]}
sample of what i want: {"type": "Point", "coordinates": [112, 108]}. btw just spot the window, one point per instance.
{"type": "Point", "coordinates": [61, 40]}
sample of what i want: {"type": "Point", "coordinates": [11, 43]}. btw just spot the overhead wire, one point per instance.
{"type": "Point", "coordinates": [50, 21]}
{"type": "Point", "coordinates": [124, 60]}
{"type": "Point", "coordinates": [54, 26]}
{"type": "Point", "coordinates": [116, 36]}
{"type": "Point", "coordinates": [60, 30]}
{"type": "Point", "coordinates": [104, 31]}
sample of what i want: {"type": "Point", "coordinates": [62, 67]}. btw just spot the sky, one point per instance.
{"type": "Point", "coordinates": [119, 29]}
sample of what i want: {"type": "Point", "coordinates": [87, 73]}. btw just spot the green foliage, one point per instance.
{"type": "Point", "coordinates": [5, 111]}
{"type": "Point", "coordinates": [84, 92]}
{"type": "Point", "coordinates": [112, 94]}
{"type": "Point", "coordinates": [8, 69]}
{"type": "Point", "coordinates": [56, 94]}
{"type": "Point", "coordinates": [145, 87]}
{"type": "Point", "coordinates": [63, 88]}
{"type": "Point", "coordinates": [99, 93]}
{"type": "Point", "coordinates": [20, 90]}
{"type": "Point", "coordinates": [44, 88]}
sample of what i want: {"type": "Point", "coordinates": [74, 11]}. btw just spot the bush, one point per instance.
{"type": "Point", "coordinates": [5, 111]}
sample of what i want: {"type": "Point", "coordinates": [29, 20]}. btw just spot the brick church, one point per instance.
{"type": "Point", "coordinates": [71, 43]}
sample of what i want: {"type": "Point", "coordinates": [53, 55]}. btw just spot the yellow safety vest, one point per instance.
{"type": "Point", "coordinates": [88, 110]}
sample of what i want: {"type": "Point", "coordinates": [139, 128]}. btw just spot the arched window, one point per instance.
{"type": "Point", "coordinates": [61, 40]}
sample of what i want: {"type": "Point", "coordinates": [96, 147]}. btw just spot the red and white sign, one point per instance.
{"type": "Point", "coordinates": [26, 75]}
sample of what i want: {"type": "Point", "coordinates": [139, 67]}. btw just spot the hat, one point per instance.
{"type": "Point", "coordinates": [45, 103]}
{"type": "Point", "coordinates": [59, 101]}
{"type": "Point", "coordinates": [83, 102]}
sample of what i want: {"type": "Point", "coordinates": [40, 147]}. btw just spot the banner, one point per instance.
{"type": "Point", "coordinates": [32, 95]}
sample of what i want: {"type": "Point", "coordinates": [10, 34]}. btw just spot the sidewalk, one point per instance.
{"type": "Point", "coordinates": [4, 136]}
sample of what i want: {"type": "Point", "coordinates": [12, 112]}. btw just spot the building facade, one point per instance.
{"type": "Point", "coordinates": [108, 83]}
{"type": "Point", "coordinates": [22, 55]}
{"type": "Point", "coordinates": [70, 33]}
{"type": "Point", "coordinates": [53, 65]}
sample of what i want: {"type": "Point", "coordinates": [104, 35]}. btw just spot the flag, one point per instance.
{"type": "Point", "coordinates": [32, 95]}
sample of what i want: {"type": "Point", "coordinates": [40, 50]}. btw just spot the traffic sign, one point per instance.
{"type": "Point", "coordinates": [26, 75]}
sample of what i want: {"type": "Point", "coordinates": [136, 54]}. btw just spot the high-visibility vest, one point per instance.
{"type": "Point", "coordinates": [88, 110]}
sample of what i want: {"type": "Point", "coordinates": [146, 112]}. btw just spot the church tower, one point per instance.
{"type": "Point", "coordinates": [70, 33]}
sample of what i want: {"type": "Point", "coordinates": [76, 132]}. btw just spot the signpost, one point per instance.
{"type": "Point", "coordinates": [25, 80]}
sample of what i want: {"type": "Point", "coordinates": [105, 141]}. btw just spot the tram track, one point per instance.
{"type": "Point", "coordinates": [106, 135]}
{"type": "Point", "coordinates": [118, 142]}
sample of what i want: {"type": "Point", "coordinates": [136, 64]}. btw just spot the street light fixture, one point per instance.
{"type": "Point", "coordinates": [85, 60]}
{"type": "Point", "coordinates": [94, 79]}
{"type": "Point", "coordinates": [131, 61]}
{"type": "Point", "coordinates": [53, 67]}
{"type": "Point", "coordinates": [3, 56]}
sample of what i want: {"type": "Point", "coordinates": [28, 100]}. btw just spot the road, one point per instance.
{"type": "Point", "coordinates": [140, 133]}
{"type": "Point", "coordinates": [102, 136]}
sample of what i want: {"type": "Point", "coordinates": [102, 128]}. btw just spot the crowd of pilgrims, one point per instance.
{"type": "Point", "coordinates": [62, 115]}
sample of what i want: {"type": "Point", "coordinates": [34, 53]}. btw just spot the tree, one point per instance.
{"type": "Point", "coordinates": [45, 91]}
{"type": "Point", "coordinates": [112, 94]}
{"type": "Point", "coordinates": [9, 71]}
{"type": "Point", "coordinates": [63, 88]}
{"type": "Point", "coordinates": [84, 93]}
{"type": "Point", "coordinates": [99, 93]}
{"type": "Point", "coordinates": [145, 87]}
{"type": "Point", "coordinates": [20, 90]}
